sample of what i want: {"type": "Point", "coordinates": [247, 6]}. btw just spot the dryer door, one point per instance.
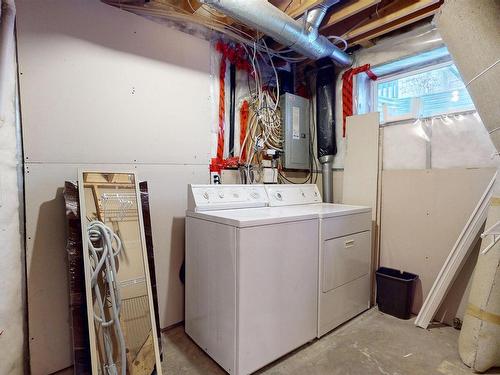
{"type": "Point", "coordinates": [345, 259]}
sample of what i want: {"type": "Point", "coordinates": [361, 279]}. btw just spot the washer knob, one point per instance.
{"type": "Point", "coordinates": [278, 196]}
{"type": "Point", "coordinates": [205, 195]}
{"type": "Point", "coordinates": [221, 194]}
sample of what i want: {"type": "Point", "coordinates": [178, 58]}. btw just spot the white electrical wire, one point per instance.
{"type": "Point", "coordinates": [482, 72]}
{"type": "Point", "coordinates": [339, 39]}
{"type": "Point", "coordinates": [104, 246]}
{"type": "Point", "coordinates": [181, 15]}
{"type": "Point", "coordinates": [264, 129]}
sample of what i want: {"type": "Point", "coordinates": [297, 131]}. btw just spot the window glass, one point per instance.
{"type": "Point", "coordinates": [425, 94]}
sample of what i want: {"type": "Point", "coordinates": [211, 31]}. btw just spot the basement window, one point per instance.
{"type": "Point", "coordinates": [423, 93]}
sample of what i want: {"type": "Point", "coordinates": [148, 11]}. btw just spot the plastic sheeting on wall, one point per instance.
{"type": "Point", "coordinates": [11, 274]}
{"type": "Point", "coordinates": [405, 146]}
{"type": "Point", "coordinates": [453, 141]}
{"type": "Point", "coordinates": [461, 141]}
{"type": "Point", "coordinates": [392, 49]}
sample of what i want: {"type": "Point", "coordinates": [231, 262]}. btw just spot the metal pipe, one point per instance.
{"type": "Point", "coordinates": [327, 181]}
{"type": "Point", "coordinates": [316, 15]}
{"type": "Point", "coordinates": [265, 17]}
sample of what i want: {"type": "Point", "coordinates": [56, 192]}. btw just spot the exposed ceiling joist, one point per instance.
{"type": "Point", "coordinates": [387, 28]}
{"type": "Point", "coordinates": [357, 21]}
{"type": "Point", "coordinates": [350, 9]}
{"type": "Point", "coordinates": [389, 14]}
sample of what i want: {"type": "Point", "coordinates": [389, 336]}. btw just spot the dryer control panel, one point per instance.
{"type": "Point", "coordinates": [222, 197]}
{"type": "Point", "coordinates": [289, 195]}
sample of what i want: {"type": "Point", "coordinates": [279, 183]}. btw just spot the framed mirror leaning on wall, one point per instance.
{"type": "Point", "coordinates": [121, 318]}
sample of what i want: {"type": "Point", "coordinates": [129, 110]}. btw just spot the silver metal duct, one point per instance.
{"type": "Point", "coordinates": [315, 16]}
{"type": "Point", "coordinates": [300, 35]}
{"type": "Point", "coordinates": [327, 180]}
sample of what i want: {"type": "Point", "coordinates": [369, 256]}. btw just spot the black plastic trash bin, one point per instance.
{"type": "Point", "coordinates": [395, 292]}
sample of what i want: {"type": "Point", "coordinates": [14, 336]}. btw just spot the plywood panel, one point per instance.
{"type": "Point", "coordinates": [423, 212]}
{"type": "Point", "coordinates": [50, 345]}
{"type": "Point", "coordinates": [101, 85]}
{"type": "Point", "coordinates": [362, 161]}
{"type": "Point", "coordinates": [361, 174]}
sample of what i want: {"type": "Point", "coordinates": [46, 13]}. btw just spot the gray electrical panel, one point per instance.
{"type": "Point", "coordinates": [295, 121]}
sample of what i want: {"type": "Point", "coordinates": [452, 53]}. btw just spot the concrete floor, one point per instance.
{"type": "Point", "coordinates": [372, 343]}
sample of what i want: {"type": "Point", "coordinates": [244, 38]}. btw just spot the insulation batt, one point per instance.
{"type": "Point", "coordinates": [11, 275]}
{"type": "Point", "coordinates": [479, 341]}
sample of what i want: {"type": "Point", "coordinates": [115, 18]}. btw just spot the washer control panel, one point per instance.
{"type": "Point", "coordinates": [289, 195]}
{"type": "Point", "coordinates": [220, 197]}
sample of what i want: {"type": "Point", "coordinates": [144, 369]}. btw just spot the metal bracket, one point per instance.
{"type": "Point", "coordinates": [492, 231]}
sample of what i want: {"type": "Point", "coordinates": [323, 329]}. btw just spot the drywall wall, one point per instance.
{"type": "Point", "coordinates": [104, 89]}
{"type": "Point", "coordinates": [471, 31]}
{"type": "Point", "coordinates": [12, 311]}
{"type": "Point", "coordinates": [423, 212]}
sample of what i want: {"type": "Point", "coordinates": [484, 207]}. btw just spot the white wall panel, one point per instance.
{"type": "Point", "coordinates": [168, 199]}
{"type": "Point", "coordinates": [48, 300]}
{"type": "Point", "coordinates": [101, 85]}
{"type": "Point", "coordinates": [423, 212]}
{"type": "Point", "coordinates": [105, 88]}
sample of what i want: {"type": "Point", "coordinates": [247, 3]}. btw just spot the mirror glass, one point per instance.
{"type": "Point", "coordinates": [123, 340]}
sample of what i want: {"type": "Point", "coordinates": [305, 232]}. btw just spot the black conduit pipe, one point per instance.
{"type": "Point", "coordinates": [325, 123]}
{"type": "Point", "coordinates": [232, 105]}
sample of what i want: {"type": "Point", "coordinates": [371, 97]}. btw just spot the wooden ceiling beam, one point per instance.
{"type": "Point", "coordinates": [365, 39]}
{"type": "Point", "coordinates": [295, 8]}
{"type": "Point", "coordinates": [392, 13]}
{"type": "Point", "coordinates": [346, 11]}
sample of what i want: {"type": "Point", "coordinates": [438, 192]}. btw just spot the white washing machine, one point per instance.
{"type": "Point", "coordinates": [251, 276]}
{"type": "Point", "coordinates": [344, 253]}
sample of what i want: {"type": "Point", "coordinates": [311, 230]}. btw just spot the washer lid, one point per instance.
{"type": "Point", "coordinates": [251, 217]}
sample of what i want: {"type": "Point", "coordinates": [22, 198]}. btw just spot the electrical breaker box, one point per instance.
{"type": "Point", "coordinates": [295, 121]}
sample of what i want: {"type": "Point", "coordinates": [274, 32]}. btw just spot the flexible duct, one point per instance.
{"type": "Point", "coordinates": [325, 123]}
{"type": "Point", "coordinates": [300, 36]}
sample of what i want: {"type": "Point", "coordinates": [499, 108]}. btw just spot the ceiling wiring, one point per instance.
{"type": "Point", "coordinates": [176, 13]}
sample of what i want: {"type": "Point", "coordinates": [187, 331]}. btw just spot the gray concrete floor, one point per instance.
{"type": "Point", "coordinates": [372, 343]}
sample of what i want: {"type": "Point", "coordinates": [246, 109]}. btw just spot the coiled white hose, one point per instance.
{"type": "Point", "coordinates": [102, 254]}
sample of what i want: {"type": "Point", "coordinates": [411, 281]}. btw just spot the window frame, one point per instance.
{"type": "Point", "coordinates": [410, 72]}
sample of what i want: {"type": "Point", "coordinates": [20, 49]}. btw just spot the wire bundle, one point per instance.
{"type": "Point", "coordinates": [104, 246]}
{"type": "Point", "coordinates": [175, 13]}
{"type": "Point", "coordinates": [264, 131]}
